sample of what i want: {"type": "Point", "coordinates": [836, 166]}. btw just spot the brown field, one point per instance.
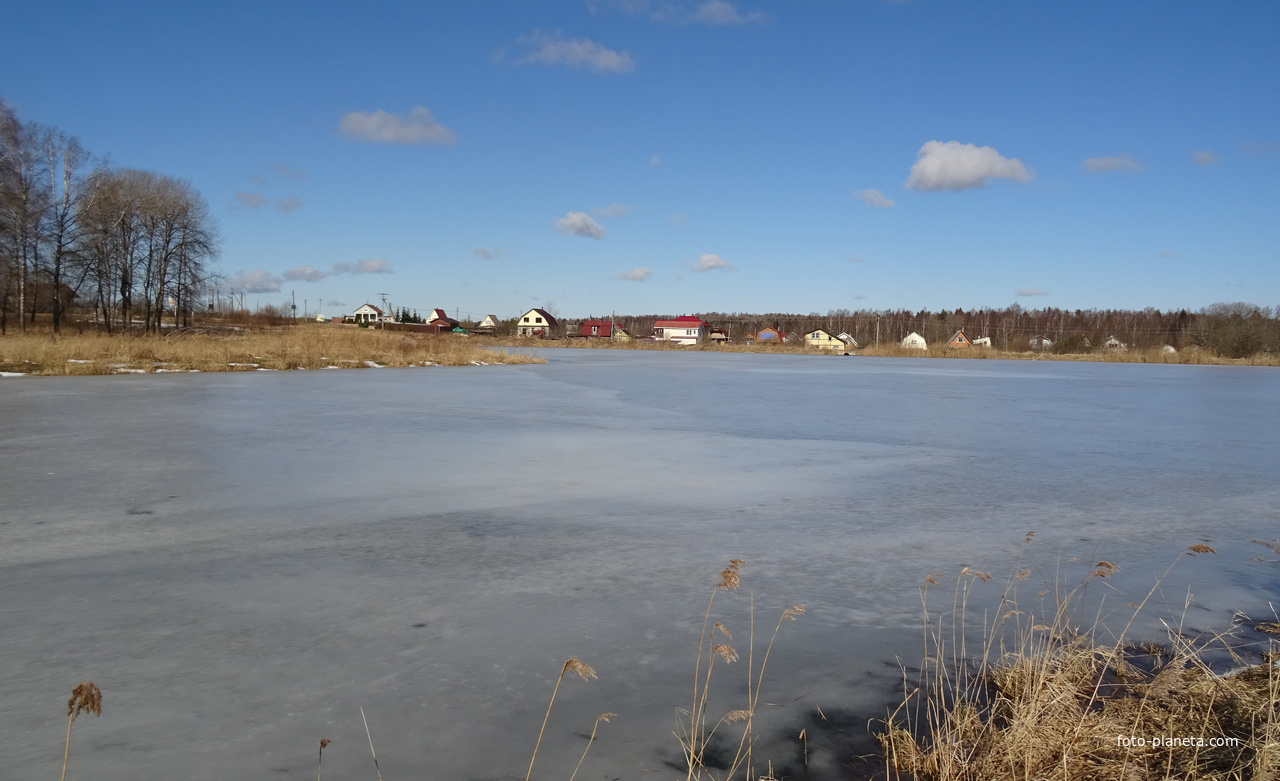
{"type": "Point", "coordinates": [309, 346]}
{"type": "Point", "coordinates": [1184, 356]}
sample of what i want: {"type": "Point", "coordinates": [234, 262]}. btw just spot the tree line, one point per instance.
{"type": "Point", "coordinates": [1232, 330]}
{"type": "Point", "coordinates": [131, 245]}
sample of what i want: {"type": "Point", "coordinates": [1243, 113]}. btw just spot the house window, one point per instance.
{"type": "Point", "coordinates": [526, 319]}
{"type": "Point", "coordinates": [537, 319]}
{"type": "Point", "coordinates": [595, 329]}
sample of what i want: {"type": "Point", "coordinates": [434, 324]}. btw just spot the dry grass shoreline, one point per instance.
{"type": "Point", "coordinates": [1188, 356]}
{"type": "Point", "coordinates": [296, 347]}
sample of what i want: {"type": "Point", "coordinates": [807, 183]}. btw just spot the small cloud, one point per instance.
{"type": "Point", "coordinates": [285, 172]}
{"type": "Point", "coordinates": [371, 266]}
{"type": "Point", "coordinates": [856, 259]}
{"type": "Point", "coordinates": [1204, 157]}
{"type": "Point", "coordinates": [252, 200]}
{"type": "Point", "coordinates": [1258, 149]}
{"type": "Point", "coordinates": [254, 282]}
{"type": "Point", "coordinates": [655, 161]}
{"type": "Point", "coordinates": [874, 198]}
{"type": "Point", "coordinates": [579, 224]}
{"type": "Point", "coordinates": [310, 273]}
{"type": "Point", "coordinates": [487, 254]}
{"type": "Point", "coordinates": [638, 274]}
{"type": "Point", "coordinates": [335, 303]}
{"type": "Point", "coordinates": [722, 14]}
{"type": "Point", "coordinates": [260, 181]}
{"type": "Point", "coordinates": [1168, 255]}
{"type": "Point", "coordinates": [554, 49]}
{"type": "Point", "coordinates": [859, 297]}
{"type": "Point", "coordinates": [381, 127]}
{"type": "Point", "coordinates": [952, 165]}
{"type": "Point", "coordinates": [1023, 292]}
{"type": "Point", "coordinates": [612, 210]}
{"type": "Point", "coordinates": [290, 204]}
{"type": "Point", "coordinates": [1098, 165]}
{"type": "Point", "coordinates": [677, 219]}
{"type": "Point", "coordinates": [713, 263]}
{"type": "Point", "coordinates": [304, 274]}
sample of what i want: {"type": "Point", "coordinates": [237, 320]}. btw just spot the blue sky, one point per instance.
{"type": "Point", "coordinates": [661, 156]}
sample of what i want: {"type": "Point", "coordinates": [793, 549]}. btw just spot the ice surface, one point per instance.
{"type": "Point", "coordinates": [241, 561]}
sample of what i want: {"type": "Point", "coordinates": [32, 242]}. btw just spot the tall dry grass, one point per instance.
{"type": "Point", "coordinates": [1049, 696]}
{"type": "Point", "coordinates": [312, 346]}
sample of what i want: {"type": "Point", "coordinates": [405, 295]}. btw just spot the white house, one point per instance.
{"type": "Point", "coordinates": [848, 340]}
{"type": "Point", "coordinates": [1113, 343]}
{"type": "Point", "coordinates": [490, 322]}
{"type": "Point", "coordinates": [368, 313]}
{"type": "Point", "coordinates": [537, 323]}
{"type": "Point", "coordinates": [982, 341]}
{"type": "Point", "coordinates": [680, 330]}
{"type": "Point", "coordinates": [914, 341]}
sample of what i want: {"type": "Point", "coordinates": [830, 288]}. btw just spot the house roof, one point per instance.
{"type": "Point", "coordinates": [687, 321]}
{"type": "Point", "coordinates": [550, 320]}
{"type": "Point", "coordinates": [371, 306]}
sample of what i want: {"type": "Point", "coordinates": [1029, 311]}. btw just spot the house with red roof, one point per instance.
{"type": "Point", "coordinates": [680, 330]}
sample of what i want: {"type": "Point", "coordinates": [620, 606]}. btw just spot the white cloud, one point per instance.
{"type": "Point", "coordinates": [956, 166]}
{"type": "Point", "coordinates": [859, 297]}
{"type": "Point", "coordinates": [381, 127]}
{"type": "Point", "coordinates": [856, 259]}
{"type": "Point", "coordinates": [260, 181]}
{"type": "Point", "coordinates": [1168, 255]}
{"type": "Point", "coordinates": [254, 282]}
{"type": "Point", "coordinates": [638, 274]}
{"type": "Point", "coordinates": [677, 219]}
{"type": "Point", "coordinates": [290, 204]}
{"type": "Point", "coordinates": [1204, 157]}
{"type": "Point", "coordinates": [370, 266]}
{"type": "Point", "coordinates": [306, 273]}
{"type": "Point", "coordinates": [555, 49]}
{"type": "Point", "coordinates": [1258, 149]}
{"type": "Point", "coordinates": [487, 254]}
{"type": "Point", "coordinates": [723, 14]}
{"type": "Point", "coordinates": [1099, 165]}
{"type": "Point", "coordinates": [579, 224]}
{"type": "Point", "coordinates": [335, 303]}
{"type": "Point", "coordinates": [713, 263]}
{"type": "Point", "coordinates": [310, 273]}
{"type": "Point", "coordinates": [1023, 292]}
{"type": "Point", "coordinates": [874, 198]}
{"type": "Point", "coordinates": [252, 200]}
{"type": "Point", "coordinates": [655, 161]}
{"type": "Point", "coordinates": [612, 210]}
{"type": "Point", "coordinates": [285, 172]}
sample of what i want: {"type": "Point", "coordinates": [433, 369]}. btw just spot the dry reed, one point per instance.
{"type": "Point", "coordinates": [583, 671]}
{"type": "Point", "coordinates": [369, 735]}
{"type": "Point", "coordinates": [312, 346]}
{"type": "Point", "coordinates": [1060, 702]}
{"type": "Point", "coordinates": [320, 762]}
{"type": "Point", "coordinates": [694, 735]}
{"type": "Point", "coordinates": [85, 698]}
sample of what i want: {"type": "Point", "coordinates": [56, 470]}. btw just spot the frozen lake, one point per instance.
{"type": "Point", "coordinates": [242, 561]}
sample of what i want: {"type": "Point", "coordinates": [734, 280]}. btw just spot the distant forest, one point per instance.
{"type": "Point", "coordinates": [1235, 330]}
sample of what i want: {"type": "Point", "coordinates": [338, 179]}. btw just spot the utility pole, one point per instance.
{"type": "Point", "coordinates": [293, 307]}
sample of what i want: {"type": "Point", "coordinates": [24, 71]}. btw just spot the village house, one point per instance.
{"type": "Point", "coordinates": [1040, 343]}
{"type": "Point", "coordinates": [770, 334]}
{"type": "Point", "coordinates": [680, 330]}
{"type": "Point", "coordinates": [849, 341]}
{"type": "Point", "coordinates": [488, 325]}
{"type": "Point", "coordinates": [822, 340]}
{"type": "Point", "coordinates": [914, 341]}
{"type": "Point", "coordinates": [718, 336]}
{"type": "Point", "coordinates": [537, 323]}
{"type": "Point", "coordinates": [441, 320]}
{"type": "Point", "coordinates": [958, 339]}
{"type": "Point", "coordinates": [982, 341]}
{"type": "Point", "coordinates": [1113, 343]}
{"type": "Point", "coordinates": [368, 313]}
{"type": "Point", "coordinates": [602, 329]}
